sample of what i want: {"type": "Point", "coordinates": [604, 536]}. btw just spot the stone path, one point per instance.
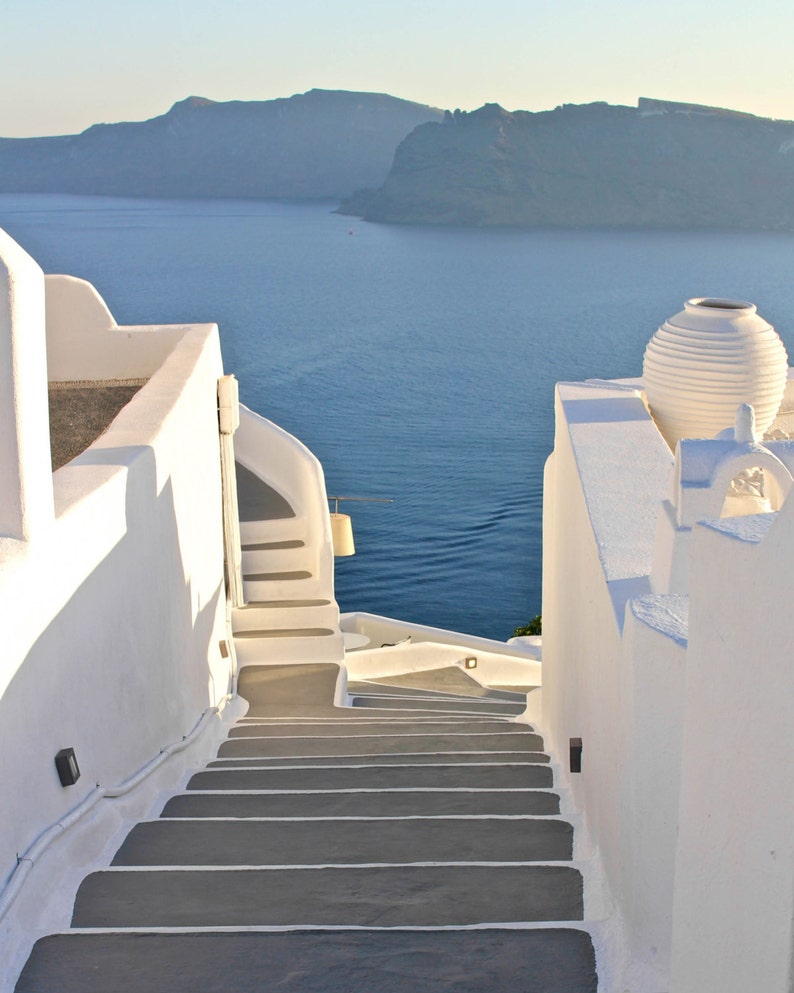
{"type": "Point", "coordinates": [365, 850]}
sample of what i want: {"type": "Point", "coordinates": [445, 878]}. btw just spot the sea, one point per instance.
{"type": "Point", "coordinates": [417, 363]}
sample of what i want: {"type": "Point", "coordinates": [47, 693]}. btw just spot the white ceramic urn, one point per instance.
{"type": "Point", "coordinates": [707, 360]}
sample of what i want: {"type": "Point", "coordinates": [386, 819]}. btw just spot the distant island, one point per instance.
{"type": "Point", "coordinates": [657, 165]}
{"type": "Point", "coordinates": [320, 145]}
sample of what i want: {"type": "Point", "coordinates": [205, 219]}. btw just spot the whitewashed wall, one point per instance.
{"type": "Point", "coordinates": [84, 341]}
{"type": "Point", "coordinates": [277, 456]}
{"type": "Point", "coordinates": [734, 880]}
{"type": "Point", "coordinates": [113, 610]}
{"type": "Point", "coordinates": [610, 685]}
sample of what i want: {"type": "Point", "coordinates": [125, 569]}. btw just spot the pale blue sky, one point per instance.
{"type": "Point", "coordinates": [65, 64]}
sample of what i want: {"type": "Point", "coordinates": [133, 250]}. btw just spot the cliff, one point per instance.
{"type": "Point", "coordinates": [317, 145]}
{"type": "Point", "coordinates": [659, 165]}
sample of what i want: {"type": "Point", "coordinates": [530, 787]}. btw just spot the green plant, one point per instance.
{"type": "Point", "coordinates": [534, 627]}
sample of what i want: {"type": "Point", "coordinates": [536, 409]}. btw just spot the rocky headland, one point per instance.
{"type": "Point", "coordinates": [323, 144]}
{"type": "Point", "coordinates": [657, 165]}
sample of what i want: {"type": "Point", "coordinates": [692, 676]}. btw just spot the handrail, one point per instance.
{"type": "Point", "coordinates": [26, 862]}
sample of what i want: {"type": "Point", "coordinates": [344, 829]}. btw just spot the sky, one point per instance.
{"type": "Point", "coordinates": [67, 64]}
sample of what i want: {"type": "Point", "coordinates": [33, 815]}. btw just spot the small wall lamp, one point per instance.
{"type": "Point", "coordinates": [68, 769]}
{"type": "Point", "coordinates": [342, 526]}
{"type": "Point", "coordinates": [470, 662]}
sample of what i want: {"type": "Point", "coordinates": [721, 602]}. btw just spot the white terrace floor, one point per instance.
{"type": "Point", "coordinates": [410, 843]}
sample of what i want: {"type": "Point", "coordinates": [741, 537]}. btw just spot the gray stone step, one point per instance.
{"type": "Point", "coordinates": [486, 961]}
{"type": "Point", "coordinates": [261, 729]}
{"type": "Point", "coordinates": [390, 896]}
{"type": "Point", "coordinates": [282, 633]}
{"type": "Point", "coordinates": [252, 747]}
{"type": "Point", "coordinates": [272, 546]}
{"type": "Point", "coordinates": [447, 679]}
{"type": "Point", "coordinates": [360, 757]}
{"type": "Point", "coordinates": [277, 577]}
{"type": "Point", "coordinates": [463, 706]}
{"type": "Point", "coordinates": [394, 804]}
{"type": "Point", "coordinates": [526, 776]}
{"type": "Point", "coordinates": [334, 842]}
{"type": "Point", "coordinates": [472, 691]}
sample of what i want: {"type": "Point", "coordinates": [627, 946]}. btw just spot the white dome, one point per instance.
{"type": "Point", "coordinates": [706, 361]}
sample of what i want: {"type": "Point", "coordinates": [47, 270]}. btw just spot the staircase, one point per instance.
{"type": "Point", "coordinates": [412, 842]}
{"type": "Point", "coordinates": [289, 615]}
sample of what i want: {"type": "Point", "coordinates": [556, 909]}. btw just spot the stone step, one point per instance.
{"type": "Point", "coordinates": [402, 803]}
{"type": "Point", "coordinates": [445, 679]}
{"type": "Point", "coordinates": [394, 744]}
{"type": "Point", "coordinates": [546, 960]}
{"type": "Point", "coordinates": [517, 776]}
{"type": "Point", "coordinates": [317, 613]}
{"type": "Point", "coordinates": [204, 842]}
{"type": "Point", "coordinates": [269, 546]}
{"type": "Point", "coordinates": [361, 758]}
{"type": "Point", "coordinates": [384, 896]}
{"type": "Point", "coordinates": [275, 576]}
{"type": "Point", "coordinates": [288, 646]}
{"type": "Point", "coordinates": [277, 556]}
{"type": "Point", "coordinates": [347, 729]}
{"type": "Point", "coordinates": [380, 688]}
{"type": "Point", "coordinates": [255, 635]}
{"type": "Point", "coordinates": [290, 584]}
{"type": "Point", "coordinates": [255, 532]}
{"type": "Point", "coordinates": [462, 706]}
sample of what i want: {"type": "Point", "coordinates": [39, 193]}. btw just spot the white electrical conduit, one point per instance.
{"type": "Point", "coordinates": [26, 862]}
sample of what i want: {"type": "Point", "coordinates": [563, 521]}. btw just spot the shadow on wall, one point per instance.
{"type": "Point", "coordinates": [123, 669]}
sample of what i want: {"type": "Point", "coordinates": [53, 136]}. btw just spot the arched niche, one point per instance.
{"type": "Point", "coordinates": [753, 482]}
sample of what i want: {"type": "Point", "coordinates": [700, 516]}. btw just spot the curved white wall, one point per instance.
{"type": "Point", "coordinates": [287, 464]}
{"type": "Point", "coordinates": [84, 341]}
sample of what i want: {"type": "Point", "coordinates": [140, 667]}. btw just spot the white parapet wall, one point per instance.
{"type": "Point", "coordinates": [416, 647]}
{"type": "Point", "coordinates": [733, 921]}
{"type": "Point", "coordinates": [114, 610]}
{"type": "Point", "coordinates": [25, 480]}
{"type": "Point", "coordinates": [681, 691]}
{"type": "Point", "coordinates": [602, 665]}
{"type": "Point", "coordinates": [84, 341]}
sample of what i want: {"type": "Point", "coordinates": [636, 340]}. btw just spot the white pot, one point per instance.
{"type": "Point", "coordinates": [707, 360]}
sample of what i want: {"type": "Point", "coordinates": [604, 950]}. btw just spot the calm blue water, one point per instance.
{"type": "Point", "coordinates": [416, 363]}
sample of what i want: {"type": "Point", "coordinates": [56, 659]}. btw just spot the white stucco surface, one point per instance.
{"type": "Point", "coordinates": [277, 456]}
{"type": "Point", "coordinates": [382, 630]}
{"type": "Point", "coordinates": [683, 702]}
{"type": "Point", "coordinates": [84, 341]}
{"type": "Point", "coordinates": [25, 482]}
{"type": "Point", "coordinates": [114, 610]}
{"type": "Point", "coordinates": [610, 674]}
{"type": "Point", "coordinates": [733, 910]}
{"type": "Point", "coordinates": [621, 462]}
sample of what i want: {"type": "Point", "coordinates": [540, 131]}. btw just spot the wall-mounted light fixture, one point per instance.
{"type": "Point", "coordinates": [68, 769]}
{"type": "Point", "coordinates": [342, 526]}
{"type": "Point", "coordinates": [575, 754]}
{"type": "Point", "coordinates": [470, 662]}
